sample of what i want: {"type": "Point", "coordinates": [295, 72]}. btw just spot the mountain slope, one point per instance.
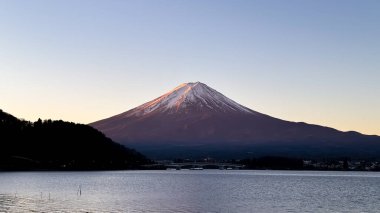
{"type": "Point", "coordinates": [196, 120]}
{"type": "Point", "coordinates": [59, 145]}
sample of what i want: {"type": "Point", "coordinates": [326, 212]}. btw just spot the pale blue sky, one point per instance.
{"type": "Point", "coordinates": [312, 61]}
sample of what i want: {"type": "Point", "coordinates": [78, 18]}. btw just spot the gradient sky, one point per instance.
{"type": "Point", "coordinates": [81, 61]}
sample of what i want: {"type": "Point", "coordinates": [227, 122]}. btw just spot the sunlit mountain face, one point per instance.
{"type": "Point", "coordinates": [194, 120]}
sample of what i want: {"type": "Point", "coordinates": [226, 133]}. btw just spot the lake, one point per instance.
{"type": "Point", "coordinates": [190, 191]}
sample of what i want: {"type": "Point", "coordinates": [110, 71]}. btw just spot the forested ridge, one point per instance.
{"type": "Point", "coordinates": [60, 145]}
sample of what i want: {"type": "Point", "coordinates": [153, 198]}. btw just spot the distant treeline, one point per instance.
{"type": "Point", "coordinates": [59, 145]}
{"type": "Point", "coordinates": [270, 162]}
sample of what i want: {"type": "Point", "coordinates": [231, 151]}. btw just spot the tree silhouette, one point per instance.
{"type": "Point", "coordinates": [59, 145]}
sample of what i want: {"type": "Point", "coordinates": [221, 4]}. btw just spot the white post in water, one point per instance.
{"type": "Point", "coordinates": [80, 190]}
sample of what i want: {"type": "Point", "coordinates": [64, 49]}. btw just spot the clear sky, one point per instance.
{"type": "Point", "coordinates": [81, 61]}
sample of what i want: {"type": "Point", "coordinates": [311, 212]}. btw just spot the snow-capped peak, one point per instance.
{"type": "Point", "coordinates": [193, 94]}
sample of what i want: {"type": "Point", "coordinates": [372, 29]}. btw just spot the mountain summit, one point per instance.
{"type": "Point", "coordinates": [194, 120]}
{"type": "Point", "coordinates": [190, 97]}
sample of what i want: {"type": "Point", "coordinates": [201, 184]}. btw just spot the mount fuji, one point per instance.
{"type": "Point", "coordinates": [193, 120]}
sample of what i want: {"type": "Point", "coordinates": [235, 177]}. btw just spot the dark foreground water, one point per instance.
{"type": "Point", "coordinates": [190, 191]}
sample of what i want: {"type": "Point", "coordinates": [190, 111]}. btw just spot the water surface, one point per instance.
{"type": "Point", "coordinates": [190, 191]}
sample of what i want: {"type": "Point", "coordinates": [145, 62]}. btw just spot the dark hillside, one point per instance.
{"type": "Point", "coordinates": [59, 145]}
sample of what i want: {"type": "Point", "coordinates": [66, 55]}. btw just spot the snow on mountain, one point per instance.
{"type": "Point", "coordinates": [197, 95]}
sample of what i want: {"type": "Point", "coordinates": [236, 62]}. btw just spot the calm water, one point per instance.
{"type": "Point", "coordinates": [190, 191]}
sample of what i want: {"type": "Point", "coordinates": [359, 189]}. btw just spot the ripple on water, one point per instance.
{"type": "Point", "coordinates": [190, 191]}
